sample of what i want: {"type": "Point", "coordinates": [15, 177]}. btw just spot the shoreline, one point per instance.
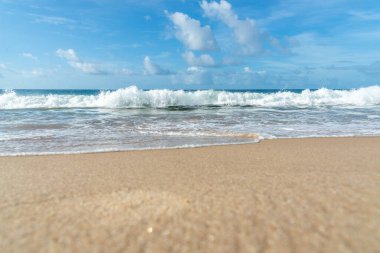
{"type": "Point", "coordinates": [283, 195]}
{"type": "Point", "coordinates": [183, 147]}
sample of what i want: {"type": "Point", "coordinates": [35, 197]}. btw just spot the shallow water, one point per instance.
{"type": "Point", "coordinates": [51, 121]}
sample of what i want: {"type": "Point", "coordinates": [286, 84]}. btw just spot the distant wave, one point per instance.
{"type": "Point", "coordinates": [132, 97]}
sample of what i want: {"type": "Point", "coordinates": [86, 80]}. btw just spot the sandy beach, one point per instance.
{"type": "Point", "coordinates": [288, 195]}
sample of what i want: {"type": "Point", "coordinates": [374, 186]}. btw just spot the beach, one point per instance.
{"type": "Point", "coordinates": [283, 195]}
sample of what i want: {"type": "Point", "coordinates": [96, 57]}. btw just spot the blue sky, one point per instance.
{"type": "Point", "coordinates": [184, 44]}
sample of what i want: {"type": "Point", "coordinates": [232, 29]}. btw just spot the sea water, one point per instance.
{"type": "Point", "coordinates": [72, 121]}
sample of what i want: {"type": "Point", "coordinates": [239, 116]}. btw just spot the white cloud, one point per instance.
{"type": "Point", "coordinates": [247, 70]}
{"type": "Point", "coordinates": [153, 69]}
{"type": "Point", "coordinates": [30, 56]}
{"type": "Point", "coordinates": [246, 32]}
{"type": "Point", "coordinates": [232, 61]}
{"type": "Point", "coordinates": [86, 67]}
{"type": "Point", "coordinates": [275, 43]}
{"type": "Point", "coordinates": [68, 54]}
{"type": "Point", "coordinates": [54, 20]}
{"type": "Point", "coordinates": [125, 71]}
{"type": "Point", "coordinates": [366, 16]}
{"type": "Point", "coordinates": [194, 75]}
{"type": "Point", "coordinates": [195, 69]}
{"type": "Point", "coordinates": [203, 60]}
{"type": "Point", "coordinates": [190, 32]}
{"type": "Point", "coordinates": [197, 75]}
{"type": "Point", "coordinates": [277, 15]}
{"type": "Point", "coordinates": [38, 73]}
{"type": "Point", "coordinates": [261, 72]}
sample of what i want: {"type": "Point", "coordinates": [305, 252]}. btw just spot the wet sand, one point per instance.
{"type": "Point", "coordinates": [289, 195]}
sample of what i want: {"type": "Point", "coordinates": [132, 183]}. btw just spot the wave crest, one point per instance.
{"type": "Point", "coordinates": [132, 97]}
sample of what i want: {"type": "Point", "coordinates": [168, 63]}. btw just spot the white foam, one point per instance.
{"type": "Point", "coordinates": [106, 150]}
{"type": "Point", "coordinates": [132, 97]}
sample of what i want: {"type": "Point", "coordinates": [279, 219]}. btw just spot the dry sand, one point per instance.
{"type": "Point", "coordinates": [296, 195]}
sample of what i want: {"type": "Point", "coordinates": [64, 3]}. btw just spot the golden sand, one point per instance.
{"type": "Point", "coordinates": [295, 195]}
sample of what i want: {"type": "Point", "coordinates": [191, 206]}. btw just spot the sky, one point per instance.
{"type": "Point", "coordinates": [185, 44]}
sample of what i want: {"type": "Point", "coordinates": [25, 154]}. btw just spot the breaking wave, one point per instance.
{"type": "Point", "coordinates": [132, 97]}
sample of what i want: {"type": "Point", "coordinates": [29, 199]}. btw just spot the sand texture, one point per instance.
{"type": "Point", "coordinates": [295, 195]}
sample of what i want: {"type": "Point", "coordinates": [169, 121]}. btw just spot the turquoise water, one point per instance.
{"type": "Point", "coordinates": [71, 121]}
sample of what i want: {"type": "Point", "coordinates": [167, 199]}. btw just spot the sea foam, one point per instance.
{"type": "Point", "coordinates": [132, 97]}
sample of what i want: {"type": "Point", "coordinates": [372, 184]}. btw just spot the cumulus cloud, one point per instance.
{"type": "Point", "coordinates": [86, 67]}
{"type": "Point", "coordinates": [190, 32]}
{"type": "Point", "coordinates": [245, 31]}
{"type": "Point", "coordinates": [204, 60]}
{"type": "Point", "coordinates": [151, 68]}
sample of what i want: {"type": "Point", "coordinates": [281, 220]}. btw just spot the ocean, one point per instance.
{"type": "Point", "coordinates": [78, 121]}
